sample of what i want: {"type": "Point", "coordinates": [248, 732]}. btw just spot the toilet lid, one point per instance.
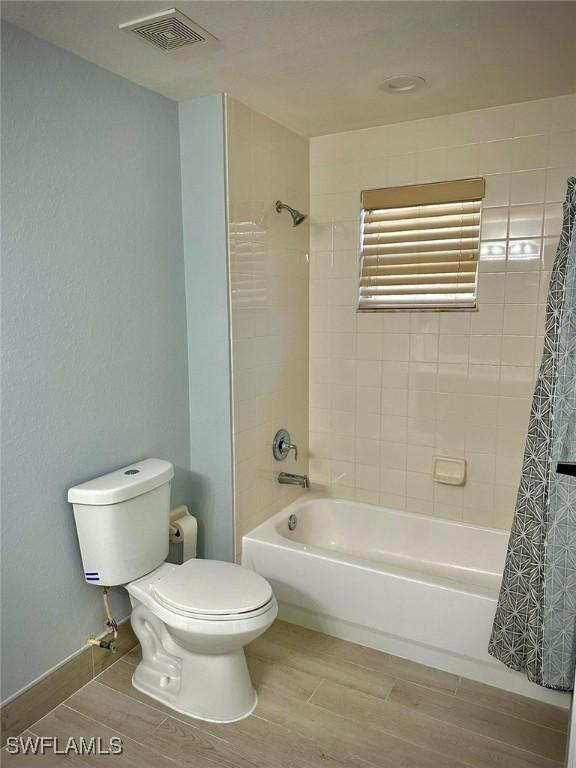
{"type": "Point", "coordinates": [212, 588]}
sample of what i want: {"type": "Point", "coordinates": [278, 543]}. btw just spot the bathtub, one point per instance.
{"type": "Point", "coordinates": [416, 586]}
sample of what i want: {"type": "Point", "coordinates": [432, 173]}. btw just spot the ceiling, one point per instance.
{"type": "Point", "coordinates": [317, 67]}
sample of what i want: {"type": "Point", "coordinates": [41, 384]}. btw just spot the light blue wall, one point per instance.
{"type": "Point", "coordinates": [94, 327]}
{"type": "Point", "coordinates": [204, 218]}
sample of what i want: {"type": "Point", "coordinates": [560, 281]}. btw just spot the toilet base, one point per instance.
{"type": "Point", "coordinates": [212, 687]}
{"type": "Point", "coordinates": [183, 711]}
{"type": "Point", "coordinates": [204, 696]}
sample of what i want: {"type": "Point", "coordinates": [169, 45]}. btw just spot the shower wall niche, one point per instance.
{"type": "Point", "coordinates": [268, 261]}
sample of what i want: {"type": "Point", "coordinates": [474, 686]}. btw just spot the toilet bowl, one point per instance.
{"type": "Point", "coordinates": [193, 622]}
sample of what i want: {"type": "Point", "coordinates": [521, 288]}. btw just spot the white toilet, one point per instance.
{"type": "Point", "coordinates": [192, 620]}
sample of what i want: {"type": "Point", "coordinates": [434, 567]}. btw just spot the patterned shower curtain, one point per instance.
{"type": "Point", "coordinates": [535, 624]}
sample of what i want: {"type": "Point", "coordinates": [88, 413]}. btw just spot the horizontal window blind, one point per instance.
{"type": "Point", "coordinates": [420, 246]}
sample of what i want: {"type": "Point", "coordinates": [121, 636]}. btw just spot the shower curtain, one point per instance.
{"type": "Point", "coordinates": [535, 624]}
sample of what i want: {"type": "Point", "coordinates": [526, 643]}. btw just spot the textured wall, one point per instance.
{"type": "Point", "coordinates": [269, 294]}
{"type": "Point", "coordinates": [206, 264]}
{"type": "Point", "coordinates": [94, 328]}
{"type": "Point", "coordinates": [389, 391]}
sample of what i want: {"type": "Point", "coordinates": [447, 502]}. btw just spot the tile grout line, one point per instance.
{"type": "Point", "coordinates": [531, 723]}
{"type": "Point", "coordinates": [514, 747]}
{"type": "Point", "coordinates": [63, 702]}
{"type": "Point", "coordinates": [420, 746]}
{"type": "Point", "coordinates": [468, 702]}
{"type": "Point", "coordinates": [174, 715]}
{"type": "Point", "coordinates": [387, 697]}
{"type": "Point", "coordinates": [65, 758]}
{"type": "Point", "coordinates": [346, 662]}
{"type": "Point", "coordinates": [409, 680]}
{"type": "Point", "coordinates": [443, 692]}
{"type": "Point", "coordinates": [322, 680]}
{"type": "Point", "coordinates": [401, 739]}
{"type": "Point", "coordinates": [126, 696]}
{"type": "Point", "coordinates": [520, 750]}
{"type": "Point", "coordinates": [125, 736]}
{"type": "Point", "coordinates": [288, 665]}
{"type": "Point", "coordinates": [449, 695]}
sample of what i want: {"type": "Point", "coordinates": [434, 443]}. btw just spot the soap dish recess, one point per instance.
{"type": "Point", "coordinates": [449, 471]}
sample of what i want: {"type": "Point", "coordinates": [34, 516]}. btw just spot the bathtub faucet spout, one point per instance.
{"type": "Point", "coordinates": [286, 478]}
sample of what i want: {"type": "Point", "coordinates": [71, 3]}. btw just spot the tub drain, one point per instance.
{"type": "Point", "coordinates": [292, 522]}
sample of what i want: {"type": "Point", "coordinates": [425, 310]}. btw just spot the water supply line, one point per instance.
{"type": "Point", "coordinates": [108, 642]}
{"type": "Point", "coordinates": [110, 620]}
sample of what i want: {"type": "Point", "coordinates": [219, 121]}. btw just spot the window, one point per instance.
{"type": "Point", "coordinates": [420, 246]}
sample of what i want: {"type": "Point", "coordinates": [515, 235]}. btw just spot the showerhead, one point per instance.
{"type": "Point", "coordinates": [297, 217]}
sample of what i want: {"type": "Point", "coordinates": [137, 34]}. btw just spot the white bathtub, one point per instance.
{"type": "Point", "coordinates": [415, 586]}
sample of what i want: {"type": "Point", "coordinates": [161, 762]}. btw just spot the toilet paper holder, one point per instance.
{"type": "Point", "coordinates": [183, 530]}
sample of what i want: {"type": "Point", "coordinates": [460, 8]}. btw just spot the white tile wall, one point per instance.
{"type": "Point", "coordinates": [269, 278]}
{"type": "Point", "coordinates": [388, 391]}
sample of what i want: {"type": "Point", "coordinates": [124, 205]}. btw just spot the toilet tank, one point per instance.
{"type": "Point", "coordinates": [122, 520]}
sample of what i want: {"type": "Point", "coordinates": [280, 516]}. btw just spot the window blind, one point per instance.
{"type": "Point", "coordinates": [420, 246]}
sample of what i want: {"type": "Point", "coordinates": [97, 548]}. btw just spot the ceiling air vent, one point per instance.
{"type": "Point", "coordinates": [168, 30]}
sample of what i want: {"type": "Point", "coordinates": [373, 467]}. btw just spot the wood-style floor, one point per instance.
{"type": "Point", "coordinates": [322, 702]}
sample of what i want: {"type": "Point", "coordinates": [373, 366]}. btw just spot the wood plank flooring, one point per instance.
{"type": "Point", "coordinates": [53, 689]}
{"type": "Point", "coordinates": [322, 702]}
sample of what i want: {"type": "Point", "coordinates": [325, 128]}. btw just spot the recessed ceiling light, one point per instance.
{"type": "Point", "coordinates": [400, 84]}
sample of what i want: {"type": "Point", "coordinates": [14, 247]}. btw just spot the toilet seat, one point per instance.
{"type": "Point", "coordinates": [212, 590]}
{"type": "Point", "coordinates": [220, 617]}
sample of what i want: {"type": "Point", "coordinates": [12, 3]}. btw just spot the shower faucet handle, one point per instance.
{"type": "Point", "coordinates": [291, 447]}
{"type": "Point", "coordinates": [282, 445]}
